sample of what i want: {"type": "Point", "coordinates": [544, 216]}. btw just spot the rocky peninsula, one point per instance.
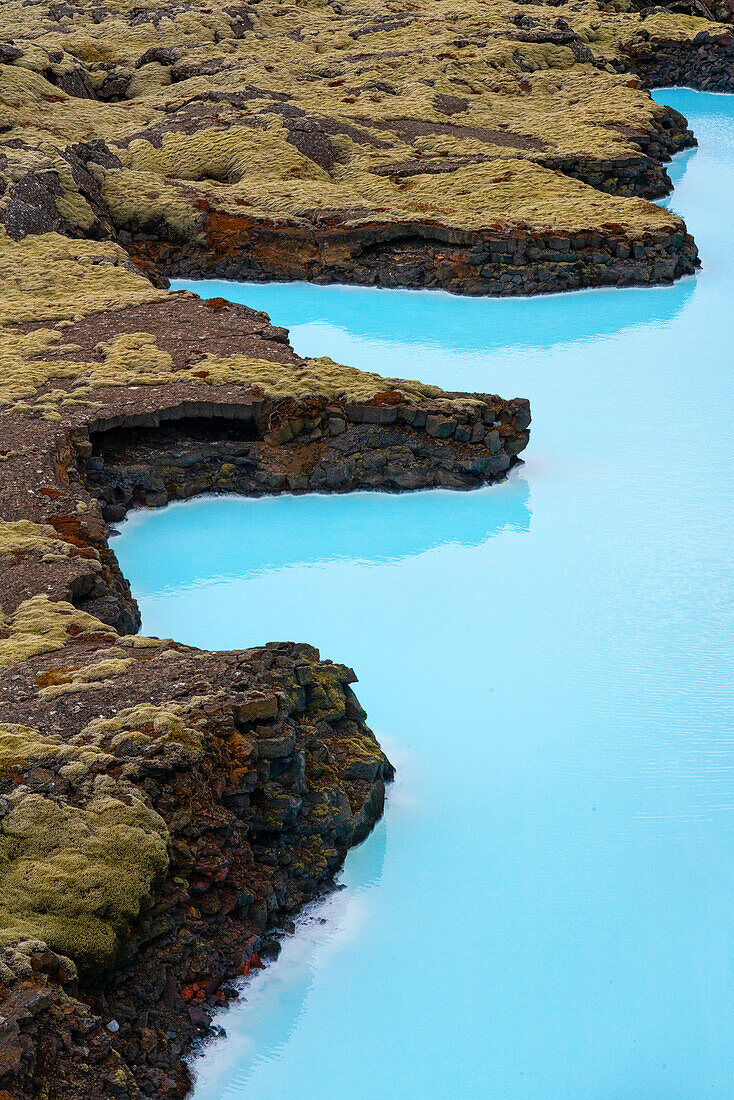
{"type": "Point", "coordinates": [166, 812]}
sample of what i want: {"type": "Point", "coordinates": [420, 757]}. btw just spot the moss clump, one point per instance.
{"type": "Point", "coordinates": [144, 199]}
{"type": "Point", "coordinates": [22, 746]}
{"type": "Point", "coordinates": [87, 678]}
{"type": "Point", "coordinates": [41, 625]}
{"type": "Point", "coordinates": [22, 537]}
{"type": "Point", "coordinates": [326, 694]}
{"type": "Point", "coordinates": [314, 377]}
{"type": "Point", "coordinates": [51, 277]}
{"type": "Point", "coordinates": [224, 155]}
{"type": "Point", "coordinates": [148, 724]}
{"type": "Point", "coordinates": [76, 876]}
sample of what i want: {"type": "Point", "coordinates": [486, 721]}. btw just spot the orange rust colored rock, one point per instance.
{"type": "Point", "coordinates": [387, 397]}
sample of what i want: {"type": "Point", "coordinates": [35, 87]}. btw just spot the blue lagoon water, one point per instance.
{"type": "Point", "coordinates": [547, 910]}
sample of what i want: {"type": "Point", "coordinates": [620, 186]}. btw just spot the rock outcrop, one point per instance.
{"type": "Point", "coordinates": [706, 63]}
{"type": "Point", "coordinates": [493, 148]}
{"type": "Point", "coordinates": [158, 827]}
{"type": "Point", "coordinates": [418, 254]}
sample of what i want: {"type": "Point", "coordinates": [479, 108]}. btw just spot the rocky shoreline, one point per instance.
{"type": "Point", "coordinates": [425, 256]}
{"type": "Point", "coordinates": [217, 168]}
{"type": "Point", "coordinates": [706, 63]}
{"type": "Point", "coordinates": [274, 776]}
{"type": "Point", "coordinates": [341, 247]}
{"type": "Point", "coordinates": [166, 812]}
{"type": "Point", "coordinates": [241, 778]}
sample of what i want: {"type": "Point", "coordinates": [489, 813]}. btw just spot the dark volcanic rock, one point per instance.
{"type": "Point", "coordinates": [706, 63]}
{"type": "Point", "coordinates": [259, 817]}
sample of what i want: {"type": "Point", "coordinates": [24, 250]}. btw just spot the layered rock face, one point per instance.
{"type": "Point", "coordinates": [254, 772]}
{"type": "Point", "coordinates": [418, 254]}
{"type": "Point", "coordinates": [387, 444]}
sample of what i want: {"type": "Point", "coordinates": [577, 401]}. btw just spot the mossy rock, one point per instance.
{"type": "Point", "coordinates": [75, 876]}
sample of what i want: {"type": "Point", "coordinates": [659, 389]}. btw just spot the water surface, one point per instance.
{"type": "Point", "coordinates": [547, 910]}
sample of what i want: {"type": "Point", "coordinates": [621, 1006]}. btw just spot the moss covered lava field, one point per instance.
{"type": "Point", "coordinates": [165, 812]}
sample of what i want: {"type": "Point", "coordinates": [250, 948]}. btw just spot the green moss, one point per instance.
{"type": "Point", "coordinates": [225, 155]}
{"type": "Point", "coordinates": [143, 199]}
{"type": "Point", "coordinates": [22, 537]}
{"type": "Point", "coordinates": [167, 723]}
{"type": "Point", "coordinates": [75, 877]}
{"type": "Point", "coordinates": [326, 694]}
{"type": "Point", "coordinates": [51, 277]}
{"type": "Point", "coordinates": [88, 678]}
{"type": "Point", "coordinates": [317, 377]}
{"type": "Point", "coordinates": [41, 625]}
{"type": "Point", "coordinates": [21, 746]}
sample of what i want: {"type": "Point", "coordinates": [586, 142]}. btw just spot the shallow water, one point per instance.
{"type": "Point", "coordinates": [547, 910]}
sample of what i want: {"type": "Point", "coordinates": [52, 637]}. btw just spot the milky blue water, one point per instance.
{"type": "Point", "coordinates": [547, 910]}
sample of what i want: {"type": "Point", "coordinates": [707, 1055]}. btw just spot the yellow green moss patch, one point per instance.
{"type": "Point", "coordinates": [18, 744]}
{"type": "Point", "coordinates": [164, 722]}
{"type": "Point", "coordinates": [75, 877]}
{"type": "Point", "coordinates": [22, 536]}
{"type": "Point", "coordinates": [88, 678]}
{"type": "Point", "coordinates": [51, 277]}
{"type": "Point", "coordinates": [21, 746]}
{"type": "Point", "coordinates": [41, 625]}
{"type": "Point", "coordinates": [317, 377]}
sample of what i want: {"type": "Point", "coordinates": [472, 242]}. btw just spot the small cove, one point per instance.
{"type": "Point", "coordinates": [547, 909]}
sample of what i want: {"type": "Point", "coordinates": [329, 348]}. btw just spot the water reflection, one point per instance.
{"type": "Point", "coordinates": [678, 168]}
{"type": "Point", "coordinates": [433, 318]}
{"type": "Point", "coordinates": [194, 538]}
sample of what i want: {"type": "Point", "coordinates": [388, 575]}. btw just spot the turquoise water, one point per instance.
{"type": "Point", "coordinates": [547, 910]}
